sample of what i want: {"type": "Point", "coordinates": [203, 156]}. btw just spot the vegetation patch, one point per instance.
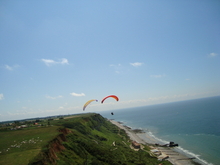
{"type": "Point", "coordinates": [19, 146]}
{"type": "Point", "coordinates": [86, 139]}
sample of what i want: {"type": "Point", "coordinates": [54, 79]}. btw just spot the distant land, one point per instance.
{"type": "Point", "coordinates": [71, 139]}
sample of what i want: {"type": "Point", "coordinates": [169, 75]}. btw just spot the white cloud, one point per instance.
{"type": "Point", "coordinates": [1, 96]}
{"type": "Point", "coordinates": [50, 62]}
{"type": "Point", "coordinates": [118, 68]}
{"type": "Point", "coordinates": [50, 97]}
{"type": "Point", "coordinates": [117, 72]}
{"type": "Point", "coordinates": [158, 76]}
{"type": "Point", "coordinates": [117, 65]}
{"type": "Point", "coordinates": [136, 64]}
{"type": "Point", "coordinates": [212, 54]}
{"type": "Point", "coordinates": [77, 94]}
{"type": "Point", "coordinates": [8, 67]}
{"type": "Point", "coordinates": [64, 61]}
{"type": "Point", "coordinates": [11, 68]}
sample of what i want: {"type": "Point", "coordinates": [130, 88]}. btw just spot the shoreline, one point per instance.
{"type": "Point", "coordinates": [175, 157]}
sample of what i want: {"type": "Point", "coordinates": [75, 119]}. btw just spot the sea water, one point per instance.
{"type": "Point", "coordinates": [193, 124]}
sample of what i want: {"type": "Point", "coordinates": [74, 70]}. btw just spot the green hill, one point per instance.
{"type": "Point", "coordinates": [87, 139]}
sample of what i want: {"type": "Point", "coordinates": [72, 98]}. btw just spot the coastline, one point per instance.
{"type": "Point", "coordinates": [175, 157]}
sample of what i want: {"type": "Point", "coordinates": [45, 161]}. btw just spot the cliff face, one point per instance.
{"type": "Point", "coordinates": [49, 156]}
{"type": "Point", "coordinates": [91, 139]}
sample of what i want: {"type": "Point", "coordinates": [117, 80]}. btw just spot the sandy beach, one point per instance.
{"type": "Point", "coordinates": [175, 157]}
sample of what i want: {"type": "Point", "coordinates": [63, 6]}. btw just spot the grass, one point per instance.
{"type": "Point", "coordinates": [19, 146]}
{"type": "Point", "coordinates": [90, 142]}
{"type": "Point", "coordinates": [18, 158]}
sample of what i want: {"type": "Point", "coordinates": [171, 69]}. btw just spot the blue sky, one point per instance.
{"type": "Point", "coordinates": [56, 55]}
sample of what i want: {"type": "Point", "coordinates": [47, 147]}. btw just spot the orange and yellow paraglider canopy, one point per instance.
{"type": "Point", "coordinates": [87, 103]}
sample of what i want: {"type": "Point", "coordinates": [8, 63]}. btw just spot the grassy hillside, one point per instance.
{"type": "Point", "coordinates": [19, 146]}
{"type": "Point", "coordinates": [86, 139]}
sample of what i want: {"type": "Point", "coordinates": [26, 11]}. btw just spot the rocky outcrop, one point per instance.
{"type": "Point", "coordinates": [49, 154]}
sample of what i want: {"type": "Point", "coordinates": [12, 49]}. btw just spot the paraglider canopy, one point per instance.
{"type": "Point", "coordinates": [113, 96]}
{"type": "Point", "coordinates": [87, 103]}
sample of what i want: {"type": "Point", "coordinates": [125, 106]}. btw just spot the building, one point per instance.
{"type": "Point", "coordinates": [136, 145]}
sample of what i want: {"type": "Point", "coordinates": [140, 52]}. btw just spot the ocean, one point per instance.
{"type": "Point", "coordinates": [193, 124]}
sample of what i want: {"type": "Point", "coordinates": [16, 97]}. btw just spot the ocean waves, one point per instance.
{"type": "Point", "coordinates": [193, 124]}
